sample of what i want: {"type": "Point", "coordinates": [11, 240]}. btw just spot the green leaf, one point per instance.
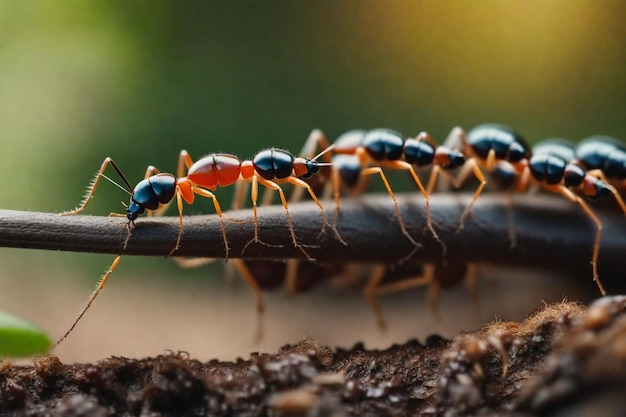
{"type": "Point", "coordinates": [19, 337]}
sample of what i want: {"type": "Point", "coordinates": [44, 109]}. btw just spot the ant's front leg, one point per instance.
{"type": "Point", "coordinates": [91, 189]}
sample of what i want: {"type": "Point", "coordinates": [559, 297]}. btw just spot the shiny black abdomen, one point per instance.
{"type": "Point", "coordinates": [418, 152]}
{"type": "Point", "coordinates": [349, 141]}
{"type": "Point", "coordinates": [349, 169]}
{"type": "Point", "coordinates": [547, 168]}
{"type": "Point", "coordinates": [506, 143]}
{"type": "Point", "coordinates": [383, 144]}
{"type": "Point", "coordinates": [563, 148]}
{"type": "Point", "coordinates": [273, 163]}
{"type": "Point", "coordinates": [604, 153]}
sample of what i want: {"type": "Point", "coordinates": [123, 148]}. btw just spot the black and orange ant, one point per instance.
{"type": "Point", "coordinates": [270, 168]}
{"type": "Point", "coordinates": [554, 166]}
{"type": "Point", "coordinates": [604, 156]}
{"type": "Point", "coordinates": [360, 153]}
{"type": "Point", "coordinates": [357, 154]}
{"type": "Point", "coordinates": [495, 148]}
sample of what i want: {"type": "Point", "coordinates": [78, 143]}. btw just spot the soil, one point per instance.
{"type": "Point", "coordinates": [563, 360]}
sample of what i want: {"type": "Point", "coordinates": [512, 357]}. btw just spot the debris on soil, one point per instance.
{"type": "Point", "coordinates": [560, 360]}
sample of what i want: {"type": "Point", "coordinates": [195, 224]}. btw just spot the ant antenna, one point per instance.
{"type": "Point", "coordinates": [330, 148]}
{"type": "Point", "coordinates": [117, 185]}
{"type": "Point", "coordinates": [122, 176]}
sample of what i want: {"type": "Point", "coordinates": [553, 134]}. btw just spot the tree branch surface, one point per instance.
{"type": "Point", "coordinates": [550, 231]}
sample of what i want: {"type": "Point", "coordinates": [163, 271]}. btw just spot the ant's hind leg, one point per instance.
{"type": "Point", "coordinates": [93, 296]}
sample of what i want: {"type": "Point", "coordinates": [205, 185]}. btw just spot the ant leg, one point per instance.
{"type": "Point", "coordinates": [93, 296]}
{"type": "Point", "coordinates": [316, 140]}
{"type": "Point", "coordinates": [599, 174]}
{"type": "Point", "coordinates": [208, 194]}
{"type": "Point", "coordinates": [371, 290]}
{"type": "Point", "coordinates": [510, 220]}
{"type": "Point", "coordinates": [378, 170]}
{"type": "Point", "coordinates": [427, 279]}
{"type": "Point", "coordinates": [596, 246]}
{"type": "Point", "coordinates": [432, 181]}
{"type": "Point", "coordinates": [406, 166]}
{"type": "Point", "coordinates": [189, 263]}
{"type": "Point", "coordinates": [470, 165]}
{"type": "Point", "coordinates": [249, 278]}
{"type": "Point", "coordinates": [470, 282]}
{"type": "Point", "coordinates": [336, 189]}
{"type": "Point", "coordinates": [404, 284]}
{"type": "Point", "coordinates": [271, 184]}
{"type": "Point", "coordinates": [434, 176]}
{"type": "Point", "coordinates": [91, 189]}
{"type": "Point", "coordinates": [241, 189]}
{"type": "Point", "coordinates": [291, 276]}
{"type": "Point", "coordinates": [184, 162]}
{"type": "Point", "coordinates": [457, 139]}
{"type": "Point", "coordinates": [299, 183]}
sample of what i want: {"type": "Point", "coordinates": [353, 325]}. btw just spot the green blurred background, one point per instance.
{"type": "Point", "coordinates": [138, 81]}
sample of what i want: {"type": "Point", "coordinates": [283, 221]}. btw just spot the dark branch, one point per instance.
{"type": "Point", "coordinates": [551, 232]}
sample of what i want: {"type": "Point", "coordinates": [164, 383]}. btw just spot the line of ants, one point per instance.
{"type": "Point", "coordinates": [595, 168]}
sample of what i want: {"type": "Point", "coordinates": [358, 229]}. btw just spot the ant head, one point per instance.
{"type": "Point", "coordinates": [596, 189]}
{"type": "Point", "coordinates": [305, 167]}
{"type": "Point", "coordinates": [312, 167]}
{"type": "Point", "coordinates": [134, 210]}
{"type": "Point", "coordinates": [455, 159]}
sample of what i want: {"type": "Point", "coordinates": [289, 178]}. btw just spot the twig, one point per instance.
{"type": "Point", "coordinates": [551, 232]}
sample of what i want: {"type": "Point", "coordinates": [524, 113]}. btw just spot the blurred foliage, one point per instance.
{"type": "Point", "coordinates": [138, 81]}
{"type": "Point", "coordinates": [19, 338]}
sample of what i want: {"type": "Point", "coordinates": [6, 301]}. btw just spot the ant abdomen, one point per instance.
{"type": "Point", "coordinates": [383, 144]}
{"type": "Point", "coordinates": [215, 169]}
{"type": "Point", "coordinates": [504, 141]}
{"type": "Point", "coordinates": [274, 163]}
{"type": "Point", "coordinates": [604, 153]}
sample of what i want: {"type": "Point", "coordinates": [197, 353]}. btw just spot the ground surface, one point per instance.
{"type": "Point", "coordinates": [562, 360]}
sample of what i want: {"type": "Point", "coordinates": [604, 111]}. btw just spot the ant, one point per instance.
{"type": "Point", "coordinates": [604, 156]}
{"type": "Point", "coordinates": [270, 168]}
{"type": "Point", "coordinates": [354, 153]}
{"type": "Point", "coordinates": [360, 153]}
{"type": "Point", "coordinates": [495, 148]}
{"type": "Point", "coordinates": [555, 167]}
